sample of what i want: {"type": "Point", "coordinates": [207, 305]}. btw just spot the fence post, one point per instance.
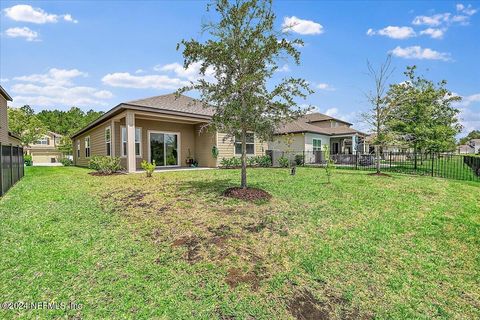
{"type": "Point", "coordinates": [390, 154]}
{"type": "Point", "coordinates": [18, 162]}
{"type": "Point", "coordinates": [11, 165]}
{"type": "Point", "coordinates": [1, 169]}
{"type": "Point", "coordinates": [303, 162]}
{"type": "Point", "coordinates": [433, 161]}
{"type": "Point", "coordinates": [356, 160]}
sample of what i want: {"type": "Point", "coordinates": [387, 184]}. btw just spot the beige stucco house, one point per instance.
{"type": "Point", "coordinates": [313, 131]}
{"type": "Point", "coordinates": [166, 128]}
{"type": "Point", "coordinates": [6, 137]}
{"type": "Point", "coordinates": [44, 150]}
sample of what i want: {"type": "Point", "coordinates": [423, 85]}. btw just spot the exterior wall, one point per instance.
{"type": "Point", "coordinates": [204, 141]}
{"type": "Point", "coordinates": [97, 144]}
{"type": "Point", "coordinates": [278, 143]}
{"type": "Point", "coordinates": [329, 124]}
{"type": "Point", "coordinates": [226, 147]}
{"type": "Point", "coordinates": [45, 153]}
{"type": "Point", "coordinates": [309, 140]}
{"type": "Point", "coordinates": [187, 138]}
{"type": "Point", "coordinates": [4, 139]}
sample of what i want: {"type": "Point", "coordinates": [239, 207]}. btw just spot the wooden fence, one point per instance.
{"type": "Point", "coordinates": [11, 166]}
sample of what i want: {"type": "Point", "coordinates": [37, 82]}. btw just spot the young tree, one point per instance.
{"type": "Point", "coordinates": [378, 114]}
{"type": "Point", "coordinates": [243, 53]}
{"type": "Point", "coordinates": [422, 113]}
{"type": "Point", "coordinates": [23, 122]}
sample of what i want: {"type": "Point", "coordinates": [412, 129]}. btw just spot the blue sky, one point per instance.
{"type": "Point", "coordinates": [95, 54]}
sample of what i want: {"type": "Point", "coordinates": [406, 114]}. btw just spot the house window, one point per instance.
{"type": "Point", "coordinates": [108, 140]}
{"type": "Point", "coordinates": [317, 145]}
{"type": "Point", "coordinates": [138, 141]}
{"type": "Point", "coordinates": [43, 141]}
{"type": "Point", "coordinates": [78, 148]}
{"type": "Point", "coordinates": [250, 141]}
{"type": "Point", "coordinates": [87, 147]}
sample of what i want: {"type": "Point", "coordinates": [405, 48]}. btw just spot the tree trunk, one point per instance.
{"type": "Point", "coordinates": [377, 158]}
{"type": "Point", "coordinates": [244, 160]}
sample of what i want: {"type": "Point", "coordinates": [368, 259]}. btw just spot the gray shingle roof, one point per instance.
{"type": "Point", "coordinates": [299, 125]}
{"type": "Point", "coordinates": [172, 102]}
{"type": "Point", "coordinates": [317, 116]}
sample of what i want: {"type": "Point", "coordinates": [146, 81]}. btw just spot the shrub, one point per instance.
{"type": "Point", "coordinates": [283, 162]}
{"type": "Point", "coordinates": [28, 160]}
{"type": "Point", "coordinates": [299, 159]}
{"type": "Point", "coordinates": [251, 161]}
{"type": "Point", "coordinates": [105, 164]}
{"type": "Point", "coordinates": [66, 162]}
{"type": "Point", "coordinates": [231, 162]}
{"type": "Point", "coordinates": [264, 161]}
{"type": "Point", "coordinates": [148, 167]}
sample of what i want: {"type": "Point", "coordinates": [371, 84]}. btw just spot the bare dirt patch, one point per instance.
{"type": "Point", "coordinates": [248, 194]}
{"type": "Point", "coordinates": [304, 306]}
{"type": "Point", "coordinates": [192, 244]}
{"type": "Point", "coordinates": [236, 276]}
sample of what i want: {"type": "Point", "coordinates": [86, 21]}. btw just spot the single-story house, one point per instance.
{"type": "Point", "coordinates": [44, 151]}
{"type": "Point", "coordinates": [313, 131]}
{"type": "Point", "coordinates": [166, 128]}
{"type": "Point", "coordinates": [6, 137]}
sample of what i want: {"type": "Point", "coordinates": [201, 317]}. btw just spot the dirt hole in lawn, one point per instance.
{"type": "Point", "coordinates": [192, 243]}
{"type": "Point", "coordinates": [304, 306]}
{"type": "Point", "coordinates": [248, 194]}
{"type": "Point", "coordinates": [235, 276]}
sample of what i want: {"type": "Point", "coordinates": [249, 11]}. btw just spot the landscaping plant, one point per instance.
{"type": "Point", "coordinates": [105, 164]}
{"type": "Point", "coordinates": [283, 162]}
{"type": "Point", "coordinates": [66, 162]}
{"type": "Point", "coordinates": [28, 160]}
{"type": "Point", "coordinates": [148, 167]}
{"type": "Point", "coordinates": [329, 164]}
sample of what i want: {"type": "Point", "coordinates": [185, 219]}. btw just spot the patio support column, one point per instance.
{"type": "Point", "coordinates": [354, 143]}
{"type": "Point", "coordinates": [130, 124]}
{"type": "Point", "coordinates": [112, 138]}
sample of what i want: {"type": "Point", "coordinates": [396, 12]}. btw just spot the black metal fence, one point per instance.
{"type": "Point", "coordinates": [444, 165]}
{"type": "Point", "coordinates": [11, 166]}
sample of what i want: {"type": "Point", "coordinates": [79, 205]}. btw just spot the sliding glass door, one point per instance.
{"type": "Point", "coordinates": [164, 148]}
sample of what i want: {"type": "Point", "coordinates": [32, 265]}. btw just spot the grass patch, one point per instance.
{"type": "Point", "coordinates": [173, 247]}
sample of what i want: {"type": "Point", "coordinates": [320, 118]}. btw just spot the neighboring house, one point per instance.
{"type": "Point", "coordinates": [391, 147]}
{"type": "Point", "coordinates": [6, 137]}
{"type": "Point", "coordinates": [44, 151]}
{"type": "Point", "coordinates": [471, 147]}
{"type": "Point", "coordinates": [313, 131]}
{"type": "Point", "coordinates": [161, 128]}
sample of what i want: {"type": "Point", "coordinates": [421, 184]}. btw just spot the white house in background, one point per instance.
{"type": "Point", "coordinates": [471, 147]}
{"type": "Point", "coordinates": [313, 131]}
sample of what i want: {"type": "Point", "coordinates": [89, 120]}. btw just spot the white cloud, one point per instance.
{"type": "Point", "coordinates": [393, 32]}
{"type": "Point", "coordinates": [26, 13]}
{"type": "Point", "coordinates": [433, 33]}
{"type": "Point", "coordinates": [434, 20]}
{"type": "Point", "coordinates": [126, 80]}
{"type": "Point", "coordinates": [56, 89]}
{"type": "Point", "coordinates": [4, 80]}
{"type": "Point", "coordinates": [192, 73]}
{"type": "Point", "coordinates": [468, 10]}
{"type": "Point", "coordinates": [139, 71]}
{"type": "Point", "coordinates": [417, 52]}
{"type": "Point", "coordinates": [54, 76]}
{"type": "Point", "coordinates": [284, 68]}
{"type": "Point", "coordinates": [325, 86]}
{"type": "Point", "coordinates": [297, 25]}
{"type": "Point", "coordinates": [24, 32]}
{"type": "Point", "coordinates": [468, 100]}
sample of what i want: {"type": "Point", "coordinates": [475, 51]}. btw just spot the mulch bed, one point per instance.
{"type": "Point", "coordinates": [101, 174]}
{"type": "Point", "coordinates": [248, 194]}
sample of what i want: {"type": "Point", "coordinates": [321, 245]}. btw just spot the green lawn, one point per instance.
{"type": "Point", "coordinates": [170, 247]}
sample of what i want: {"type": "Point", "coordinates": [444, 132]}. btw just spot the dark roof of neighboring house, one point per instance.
{"type": "Point", "coordinates": [317, 116]}
{"type": "Point", "coordinates": [166, 104]}
{"type": "Point", "coordinates": [302, 125]}
{"type": "Point", "coordinates": [5, 94]}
